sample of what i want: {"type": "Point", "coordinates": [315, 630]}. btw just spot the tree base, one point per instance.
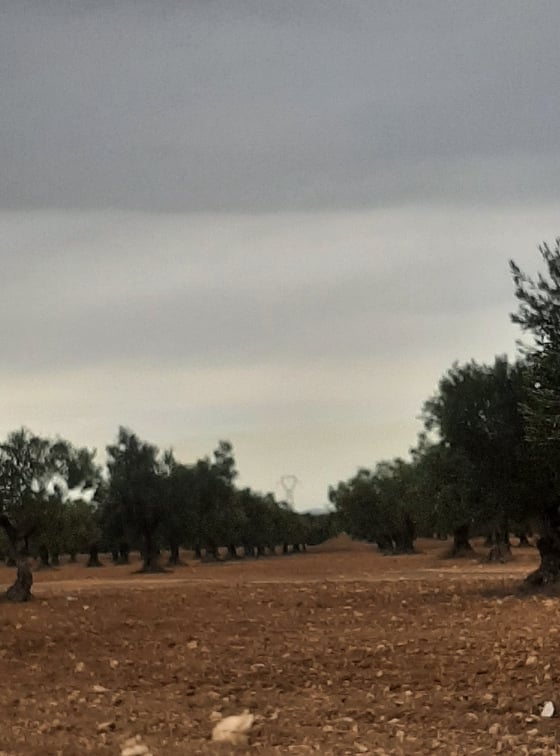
{"type": "Point", "coordinates": [461, 551]}
{"type": "Point", "coordinates": [171, 562]}
{"type": "Point", "coordinates": [499, 553]}
{"type": "Point", "coordinates": [461, 548]}
{"type": "Point", "coordinates": [20, 591]}
{"type": "Point", "coordinates": [152, 569]}
{"type": "Point", "coordinates": [547, 575]}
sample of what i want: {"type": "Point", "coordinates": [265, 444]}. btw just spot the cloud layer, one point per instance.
{"type": "Point", "coordinates": [273, 222]}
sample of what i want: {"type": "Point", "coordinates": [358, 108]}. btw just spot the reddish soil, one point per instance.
{"type": "Point", "coordinates": [337, 651]}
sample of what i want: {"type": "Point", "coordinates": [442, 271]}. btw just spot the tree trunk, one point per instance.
{"type": "Point", "coordinates": [124, 553]}
{"type": "Point", "coordinates": [461, 544]}
{"type": "Point", "coordinates": [501, 549]}
{"type": "Point", "coordinates": [404, 538]}
{"type": "Point", "coordinates": [44, 563]}
{"type": "Point", "coordinates": [212, 553]}
{"type": "Point", "coordinates": [20, 591]}
{"type": "Point", "coordinates": [115, 556]}
{"type": "Point", "coordinates": [197, 551]}
{"type": "Point", "coordinates": [72, 557]}
{"type": "Point", "coordinates": [500, 552]}
{"type": "Point", "coordinates": [55, 561]}
{"type": "Point", "coordinates": [523, 540]}
{"type": "Point", "coordinates": [174, 556]}
{"type": "Point", "coordinates": [93, 560]}
{"type": "Point", "coordinates": [150, 555]}
{"type": "Point", "coordinates": [232, 551]}
{"type": "Point", "coordinates": [549, 569]}
{"type": "Point", "coordinates": [385, 544]}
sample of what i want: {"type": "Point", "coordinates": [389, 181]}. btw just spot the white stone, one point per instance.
{"type": "Point", "coordinates": [234, 729]}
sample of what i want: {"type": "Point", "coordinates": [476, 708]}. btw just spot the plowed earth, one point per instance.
{"type": "Point", "coordinates": [337, 651]}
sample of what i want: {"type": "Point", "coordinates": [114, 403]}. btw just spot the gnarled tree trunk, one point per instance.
{"type": "Point", "coordinates": [461, 544]}
{"type": "Point", "coordinates": [44, 559]}
{"type": "Point", "coordinates": [150, 554]}
{"type": "Point", "coordinates": [20, 591]}
{"type": "Point", "coordinates": [549, 569]}
{"type": "Point", "coordinates": [93, 560]}
{"type": "Point", "coordinates": [500, 550]}
{"type": "Point", "coordinates": [124, 553]}
{"type": "Point", "coordinates": [174, 555]}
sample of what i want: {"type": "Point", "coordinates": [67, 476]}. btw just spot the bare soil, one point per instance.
{"type": "Point", "coordinates": [337, 651]}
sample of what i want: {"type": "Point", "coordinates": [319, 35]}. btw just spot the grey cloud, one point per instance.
{"type": "Point", "coordinates": [294, 298]}
{"type": "Point", "coordinates": [257, 106]}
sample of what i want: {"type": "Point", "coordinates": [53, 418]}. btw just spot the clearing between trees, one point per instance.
{"type": "Point", "coordinates": [337, 651]}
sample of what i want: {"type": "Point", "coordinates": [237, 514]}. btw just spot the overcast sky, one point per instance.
{"type": "Point", "coordinates": [272, 221]}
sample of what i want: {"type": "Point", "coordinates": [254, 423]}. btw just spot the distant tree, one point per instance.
{"type": "Point", "coordinates": [477, 416]}
{"type": "Point", "coordinates": [36, 477]}
{"type": "Point", "coordinates": [136, 493]}
{"type": "Point", "coordinates": [378, 506]}
{"type": "Point", "coordinates": [179, 524]}
{"type": "Point", "coordinates": [80, 528]}
{"type": "Point", "coordinates": [319, 527]}
{"type": "Point", "coordinates": [448, 496]}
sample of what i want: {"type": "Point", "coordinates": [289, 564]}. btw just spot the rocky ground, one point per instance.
{"type": "Point", "coordinates": [338, 651]}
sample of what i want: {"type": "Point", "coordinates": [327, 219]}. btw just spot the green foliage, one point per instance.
{"type": "Point", "coordinates": [481, 458]}
{"type": "Point", "coordinates": [377, 505]}
{"type": "Point", "coordinates": [538, 315]}
{"type": "Point", "coordinates": [136, 495]}
{"type": "Point", "coordinates": [38, 477]}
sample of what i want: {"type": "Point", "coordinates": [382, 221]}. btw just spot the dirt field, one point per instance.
{"type": "Point", "coordinates": [338, 651]}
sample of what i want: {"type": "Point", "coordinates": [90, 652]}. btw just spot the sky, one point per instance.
{"type": "Point", "coordinates": [277, 223]}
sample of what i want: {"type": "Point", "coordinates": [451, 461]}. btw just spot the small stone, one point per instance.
{"type": "Point", "coordinates": [494, 729]}
{"type": "Point", "coordinates": [80, 666]}
{"type": "Point", "coordinates": [136, 750]}
{"type": "Point", "coordinates": [106, 726]}
{"type": "Point", "coordinates": [548, 710]}
{"type": "Point", "coordinates": [531, 660]}
{"type": "Point", "coordinates": [100, 689]}
{"type": "Point", "coordinates": [234, 729]}
{"type": "Point", "coordinates": [135, 747]}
